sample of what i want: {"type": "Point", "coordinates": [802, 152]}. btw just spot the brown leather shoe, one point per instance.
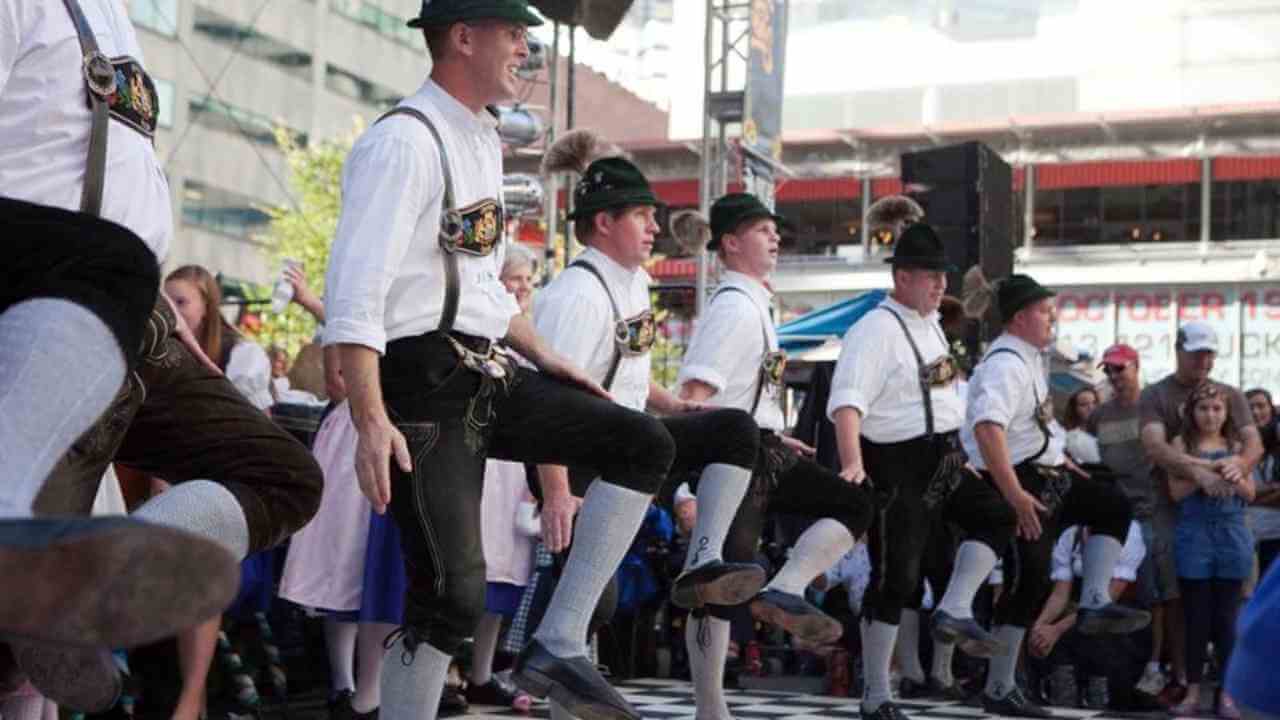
{"type": "Point", "coordinates": [114, 582]}
{"type": "Point", "coordinates": [82, 679]}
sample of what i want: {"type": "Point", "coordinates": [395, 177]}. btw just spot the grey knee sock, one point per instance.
{"type": "Point", "coordinates": [877, 650]}
{"type": "Point", "coordinates": [907, 649]}
{"type": "Point", "coordinates": [606, 526]}
{"type": "Point", "coordinates": [483, 646]}
{"type": "Point", "coordinates": [720, 492]}
{"type": "Point", "coordinates": [60, 367]}
{"type": "Point", "coordinates": [412, 682]}
{"type": "Point", "coordinates": [706, 665]}
{"type": "Point", "coordinates": [369, 655]}
{"type": "Point", "coordinates": [204, 508]}
{"type": "Point", "coordinates": [942, 654]}
{"type": "Point", "coordinates": [1100, 555]}
{"type": "Point", "coordinates": [558, 712]}
{"type": "Point", "coordinates": [1001, 672]}
{"type": "Point", "coordinates": [817, 549]}
{"type": "Point", "coordinates": [974, 562]}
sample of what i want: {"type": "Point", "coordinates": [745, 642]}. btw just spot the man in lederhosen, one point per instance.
{"type": "Point", "coordinates": [1014, 443]}
{"type": "Point", "coordinates": [417, 309]}
{"type": "Point", "coordinates": [897, 410]}
{"type": "Point", "coordinates": [733, 361]}
{"type": "Point", "coordinates": [76, 131]}
{"type": "Point", "coordinates": [598, 314]}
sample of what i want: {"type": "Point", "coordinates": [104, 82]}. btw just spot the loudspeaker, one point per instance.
{"type": "Point", "coordinates": [967, 194]}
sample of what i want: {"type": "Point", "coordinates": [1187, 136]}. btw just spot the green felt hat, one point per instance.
{"type": "Point", "coordinates": [1018, 291]}
{"type": "Point", "coordinates": [920, 247]}
{"type": "Point", "coordinates": [609, 183]}
{"type": "Point", "coordinates": [445, 12]}
{"type": "Point", "coordinates": [730, 211]}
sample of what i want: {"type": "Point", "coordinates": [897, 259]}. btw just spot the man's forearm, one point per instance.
{"type": "Point", "coordinates": [994, 447]}
{"type": "Point", "coordinates": [364, 389]}
{"type": "Point", "coordinates": [522, 338]}
{"type": "Point", "coordinates": [848, 435]}
{"type": "Point", "coordinates": [554, 480]}
{"type": "Point", "coordinates": [661, 400]}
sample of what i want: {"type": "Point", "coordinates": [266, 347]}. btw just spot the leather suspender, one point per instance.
{"type": "Point", "coordinates": [924, 382]}
{"type": "Point", "coordinates": [1044, 427]}
{"type": "Point", "coordinates": [764, 332]}
{"type": "Point", "coordinates": [100, 80]}
{"type": "Point", "coordinates": [617, 318]}
{"type": "Point", "coordinates": [450, 221]}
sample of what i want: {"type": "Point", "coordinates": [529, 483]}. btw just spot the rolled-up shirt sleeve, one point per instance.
{"type": "Point", "coordinates": [386, 184]}
{"type": "Point", "coordinates": [720, 345]}
{"type": "Point", "coordinates": [1131, 555]}
{"type": "Point", "coordinates": [995, 399]}
{"type": "Point", "coordinates": [1060, 566]}
{"type": "Point", "coordinates": [860, 371]}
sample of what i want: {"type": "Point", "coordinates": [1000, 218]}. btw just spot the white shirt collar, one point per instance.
{"type": "Point", "coordinates": [754, 287]}
{"type": "Point", "coordinates": [617, 275]}
{"type": "Point", "coordinates": [1020, 346]}
{"type": "Point", "coordinates": [454, 111]}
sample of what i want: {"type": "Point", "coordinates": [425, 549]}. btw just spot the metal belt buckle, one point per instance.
{"type": "Point", "coordinates": [100, 74]}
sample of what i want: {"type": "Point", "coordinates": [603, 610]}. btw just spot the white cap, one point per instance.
{"type": "Point", "coordinates": [1197, 337]}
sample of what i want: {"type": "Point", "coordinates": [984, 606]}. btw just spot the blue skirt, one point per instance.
{"type": "Point", "coordinates": [382, 593]}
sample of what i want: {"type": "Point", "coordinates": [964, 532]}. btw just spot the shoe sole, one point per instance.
{"type": "Point", "coordinates": [82, 679]}
{"type": "Point", "coordinates": [973, 647]}
{"type": "Point", "coordinates": [128, 585]}
{"type": "Point", "coordinates": [820, 629]}
{"type": "Point", "coordinates": [541, 686]}
{"type": "Point", "coordinates": [1099, 626]}
{"type": "Point", "coordinates": [729, 589]}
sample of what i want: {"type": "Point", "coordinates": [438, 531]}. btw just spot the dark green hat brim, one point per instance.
{"type": "Point", "coordinates": [748, 216]}
{"type": "Point", "coordinates": [515, 12]}
{"type": "Point", "coordinates": [609, 200]}
{"type": "Point", "coordinates": [921, 263]}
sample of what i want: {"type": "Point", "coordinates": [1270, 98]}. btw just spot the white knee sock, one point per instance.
{"type": "Point", "coordinates": [412, 683]}
{"type": "Point", "coordinates": [877, 651]}
{"type": "Point", "coordinates": [907, 649]}
{"type": "Point", "coordinates": [1002, 671]}
{"type": "Point", "coordinates": [1100, 555]}
{"type": "Point", "coordinates": [370, 653]}
{"type": "Point", "coordinates": [720, 491]}
{"type": "Point", "coordinates": [340, 641]}
{"type": "Point", "coordinates": [941, 668]}
{"type": "Point", "coordinates": [606, 526]}
{"type": "Point", "coordinates": [60, 367]}
{"type": "Point", "coordinates": [818, 548]}
{"type": "Point", "coordinates": [483, 645]}
{"type": "Point", "coordinates": [974, 562]}
{"type": "Point", "coordinates": [204, 508]}
{"type": "Point", "coordinates": [706, 665]}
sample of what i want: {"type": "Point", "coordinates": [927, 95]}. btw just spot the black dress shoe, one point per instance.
{"type": "Point", "coordinates": [888, 710]}
{"type": "Point", "coordinates": [909, 689]}
{"type": "Point", "coordinates": [85, 680]}
{"type": "Point", "coordinates": [797, 616]}
{"type": "Point", "coordinates": [495, 692]}
{"type": "Point", "coordinates": [575, 683]}
{"type": "Point", "coordinates": [951, 693]}
{"type": "Point", "coordinates": [1111, 618]}
{"type": "Point", "coordinates": [717, 583]}
{"type": "Point", "coordinates": [109, 582]}
{"type": "Point", "coordinates": [966, 633]}
{"type": "Point", "coordinates": [1015, 704]}
{"type": "Point", "coordinates": [340, 708]}
{"type": "Point", "coordinates": [452, 702]}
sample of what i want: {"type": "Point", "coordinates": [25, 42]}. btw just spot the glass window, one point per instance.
{"type": "Point", "coordinates": [384, 23]}
{"type": "Point", "coordinates": [165, 95]}
{"type": "Point", "coordinates": [156, 15]}
{"type": "Point", "coordinates": [222, 211]}
{"type": "Point", "coordinates": [218, 115]}
{"type": "Point", "coordinates": [352, 85]}
{"type": "Point", "coordinates": [248, 41]}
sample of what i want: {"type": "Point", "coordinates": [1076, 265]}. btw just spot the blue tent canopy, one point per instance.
{"type": "Point", "coordinates": [817, 327]}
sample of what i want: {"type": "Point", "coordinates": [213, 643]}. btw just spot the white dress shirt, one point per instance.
{"type": "Point", "coordinates": [878, 375]}
{"type": "Point", "coordinates": [1000, 392]}
{"type": "Point", "coordinates": [1068, 556]}
{"type": "Point", "coordinates": [728, 348]}
{"type": "Point", "coordinates": [249, 369]}
{"type": "Point", "coordinates": [386, 274]}
{"type": "Point", "coordinates": [574, 317]}
{"type": "Point", "coordinates": [45, 119]}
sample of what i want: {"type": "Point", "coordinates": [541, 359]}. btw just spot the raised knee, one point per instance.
{"type": "Point", "coordinates": [652, 450]}
{"type": "Point", "coordinates": [740, 437]}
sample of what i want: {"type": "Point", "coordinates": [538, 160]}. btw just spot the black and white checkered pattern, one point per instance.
{"type": "Point", "coordinates": [673, 700]}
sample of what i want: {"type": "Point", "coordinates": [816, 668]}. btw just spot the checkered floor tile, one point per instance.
{"type": "Point", "coordinates": [673, 700]}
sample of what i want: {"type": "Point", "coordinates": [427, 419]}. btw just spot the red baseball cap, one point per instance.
{"type": "Point", "coordinates": [1119, 354]}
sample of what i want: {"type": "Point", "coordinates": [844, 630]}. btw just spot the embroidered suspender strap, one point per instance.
{"type": "Point", "coordinates": [450, 221]}
{"type": "Point", "coordinates": [617, 318]}
{"type": "Point", "coordinates": [920, 376]}
{"type": "Point", "coordinates": [764, 332]}
{"type": "Point", "coordinates": [100, 79]}
{"type": "Point", "coordinates": [1044, 427]}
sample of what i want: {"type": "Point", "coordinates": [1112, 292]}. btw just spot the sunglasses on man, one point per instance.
{"type": "Point", "coordinates": [1110, 369]}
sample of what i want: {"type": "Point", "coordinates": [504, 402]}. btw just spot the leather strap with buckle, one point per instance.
{"type": "Point", "coordinates": [100, 80]}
